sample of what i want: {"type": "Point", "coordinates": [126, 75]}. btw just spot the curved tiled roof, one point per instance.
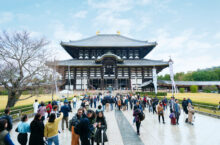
{"type": "Point", "coordinates": [108, 40]}
{"type": "Point", "coordinates": [126, 62]}
{"type": "Point", "coordinates": [109, 54]}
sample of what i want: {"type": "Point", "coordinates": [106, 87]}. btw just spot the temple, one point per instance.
{"type": "Point", "coordinates": [108, 61]}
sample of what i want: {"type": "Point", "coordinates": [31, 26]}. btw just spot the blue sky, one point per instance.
{"type": "Point", "coordinates": [186, 30]}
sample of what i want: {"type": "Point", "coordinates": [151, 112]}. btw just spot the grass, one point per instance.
{"type": "Point", "coordinates": [207, 98]}
{"type": "Point", "coordinates": [44, 97]}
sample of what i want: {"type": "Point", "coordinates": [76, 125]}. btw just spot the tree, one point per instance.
{"type": "Point", "coordinates": [22, 60]}
{"type": "Point", "coordinates": [182, 90]}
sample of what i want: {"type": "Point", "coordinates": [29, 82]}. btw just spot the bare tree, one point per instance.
{"type": "Point", "coordinates": [22, 59]}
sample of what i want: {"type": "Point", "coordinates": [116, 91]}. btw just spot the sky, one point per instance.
{"type": "Point", "coordinates": [185, 30]}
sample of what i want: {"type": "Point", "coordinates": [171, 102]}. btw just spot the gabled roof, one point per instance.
{"type": "Point", "coordinates": [109, 54]}
{"type": "Point", "coordinates": [108, 40]}
{"type": "Point", "coordinates": [142, 62]}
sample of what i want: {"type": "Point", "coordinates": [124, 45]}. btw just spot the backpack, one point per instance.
{"type": "Point", "coordinates": [141, 116]}
{"type": "Point", "coordinates": [119, 102]}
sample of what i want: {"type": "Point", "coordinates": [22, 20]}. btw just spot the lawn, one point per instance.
{"type": "Point", "coordinates": [210, 98]}
{"type": "Point", "coordinates": [44, 97]}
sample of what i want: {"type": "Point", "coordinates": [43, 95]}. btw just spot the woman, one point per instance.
{"type": "Point", "coordinates": [23, 129]}
{"type": "Point", "coordinates": [51, 129]}
{"type": "Point", "coordinates": [190, 113]}
{"type": "Point", "coordinates": [37, 131]}
{"type": "Point", "coordinates": [92, 121]}
{"type": "Point", "coordinates": [100, 135]}
{"type": "Point", "coordinates": [73, 122]}
{"type": "Point", "coordinates": [160, 111]}
{"type": "Point", "coordinates": [136, 115]}
{"type": "Point", "coordinates": [5, 138]}
{"type": "Point", "coordinates": [42, 110]}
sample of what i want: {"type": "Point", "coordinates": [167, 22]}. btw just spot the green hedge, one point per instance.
{"type": "Point", "coordinates": [193, 89]}
{"type": "Point", "coordinates": [182, 90]}
{"type": "Point", "coordinates": [152, 93]}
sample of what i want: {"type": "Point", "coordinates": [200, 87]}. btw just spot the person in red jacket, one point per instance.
{"type": "Point", "coordinates": [49, 108]}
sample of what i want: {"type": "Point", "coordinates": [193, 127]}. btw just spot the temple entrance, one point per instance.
{"type": "Point", "coordinates": [95, 84]}
{"type": "Point", "coordinates": [123, 84]}
{"type": "Point", "coordinates": [109, 83]}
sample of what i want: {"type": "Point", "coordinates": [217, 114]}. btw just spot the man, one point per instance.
{"type": "Point", "coordinates": [35, 105]}
{"type": "Point", "coordinates": [172, 101]}
{"type": "Point", "coordinates": [177, 111]}
{"type": "Point", "coordinates": [8, 118]}
{"type": "Point", "coordinates": [184, 105]}
{"type": "Point", "coordinates": [74, 102]}
{"type": "Point", "coordinates": [65, 109]}
{"type": "Point", "coordinates": [189, 101]}
{"type": "Point", "coordinates": [84, 128]}
{"type": "Point", "coordinates": [164, 103]}
{"type": "Point", "coordinates": [49, 108]}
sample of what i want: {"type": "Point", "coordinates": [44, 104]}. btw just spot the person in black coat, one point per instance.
{"type": "Point", "coordinates": [37, 131]}
{"type": "Point", "coordinates": [184, 105]}
{"type": "Point", "coordinates": [101, 126]}
{"type": "Point", "coordinates": [84, 128]}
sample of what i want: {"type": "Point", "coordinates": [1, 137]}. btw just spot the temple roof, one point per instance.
{"type": "Point", "coordinates": [108, 40]}
{"type": "Point", "coordinates": [126, 62]}
{"type": "Point", "coordinates": [109, 54]}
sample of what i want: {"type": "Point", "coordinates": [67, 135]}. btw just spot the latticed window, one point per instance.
{"type": "Point", "coordinates": [136, 54]}
{"type": "Point", "coordinates": [130, 54]}
{"type": "Point", "coordinates": [80, 54]}
{"type": "Point", "coordinates": [86, 54]}
{"type": "Point", "coordinates": [124, 55]}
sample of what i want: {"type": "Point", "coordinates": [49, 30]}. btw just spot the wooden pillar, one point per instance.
{"type": "Point", "coordinates": [129, 78]}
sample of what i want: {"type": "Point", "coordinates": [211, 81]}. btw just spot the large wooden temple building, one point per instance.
{"type": "Point", "coordinates": [108, 61]}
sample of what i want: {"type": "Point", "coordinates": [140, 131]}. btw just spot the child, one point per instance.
{"type": "Point", "coordinates": [173, 118]}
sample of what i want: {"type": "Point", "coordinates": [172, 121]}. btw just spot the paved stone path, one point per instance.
{"type": "Point", "coordinates": [128, 134]}
{"type": "Point", "coordinates": [121, 130]}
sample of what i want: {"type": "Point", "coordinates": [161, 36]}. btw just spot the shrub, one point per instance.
{"type": "Point", "coordinates": [152, 93]}
{"type": "Point", "coordinates": [182, 90]}
{"type": "Point", "coordinates": [4, 92]}
{"type": "Point", "coordinates": [194, 89]}
{"type": "Point", "coordinates": [209, 89]}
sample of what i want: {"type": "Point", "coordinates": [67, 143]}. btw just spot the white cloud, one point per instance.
{"type": "Point", "coordinates": [81, 14]}
{"type": "Point", "coordinates": [6, 17]}
{"type": "Point", "coordinates": [187, 49]}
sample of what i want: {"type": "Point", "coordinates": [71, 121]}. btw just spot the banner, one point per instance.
{"type": "Point", "coordinates": [172, 77]}
{"type": "Point", "coordinates": [155, 79]}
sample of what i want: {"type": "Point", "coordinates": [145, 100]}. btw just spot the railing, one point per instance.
{"type": "Point", "coordinates": [17, 113]}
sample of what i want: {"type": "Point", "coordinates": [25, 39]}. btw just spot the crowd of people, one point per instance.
{"type": "Point", "coordinates": [88, 126]}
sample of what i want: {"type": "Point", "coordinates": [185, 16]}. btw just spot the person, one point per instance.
{"type": "Point", "coordinates": [5, 138]}
{"type": "Point", "coordinates": [92, 120]}
{"type": "Point", "coordinates": [103, 101]}
{"type": "Point", "coordinates": [189, 101]}
{"type": "Point", "coordinates": [35, 105]}
{"type": "Point", "coordinates": [172, 118]}
{"type": "Point", "coordinates": [23, 128]}
{"type": "Point", "coordinates": [131, 102]}
{"type": "Point", "coordinates": [72, 123]}
{"type": "Point", "coordinates": [99, 109]}
{"type": "Point", "coordinates": [190, 113]}
{"type": "Point", "coordinates": [49, 108]}
{"type": "Point", "coordinates": [8, 118]}
{"type": "Point", "coordinates": [42, 110]}
{"type": "Point", "coordinates": [171, 102]}
{"type": "Point", "coordinates": [51, 129]}
{"type": "Point", "coordinates": [95, 100]}
{"type": "Point", "coordinates": [74, 102]}
{"type": "Point", "coordinates": [70, 108]}
{"type": "Point", "coordinates": [154, 104]}
{"type": "Point", "coordinates": [119, 104]}
{"type": "Point", "coordinates": [160, 111]}
{"type": "Point", "coordinates": [164, 102]}
{"type": "Point", "coordinates": [126, 103]}
{"type": "Point", "coordinates": [219, 105]}
{"type": "Point", "coordinates": [37, 131]}
{"type": "Point", "coordinates": [55, 107]}
{"type": "Point", "coordinates": [91, 101]}
{"type": "Point", "coordinates": [150, 105]}
{"type": "Point", "coordinates": [65, 101]}
{"type": "Point", "coordinates": [100, 135]}
{"type": "Point", "coordinates": [112, 101]}
{"type": "Point", "coordinates": [84, 129]}
{"type": "Point", "coordinates": [177, 111]}
{"type": "Point", "coordinates": [65, 109]}
{"type": "Point", "coordinates": [184, 105]}
{"type": "Point", "coordinates": [137, 120]}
